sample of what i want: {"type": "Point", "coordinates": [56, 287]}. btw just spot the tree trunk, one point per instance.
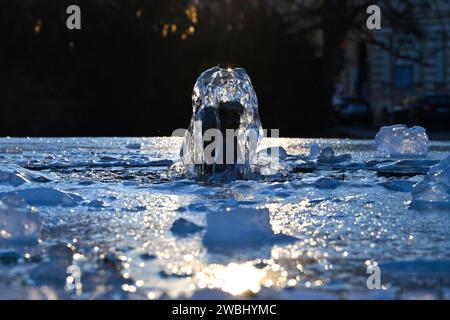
{"type": "Point", "coordinates": [332, 39]}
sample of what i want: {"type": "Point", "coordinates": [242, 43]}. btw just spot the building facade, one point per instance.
{"type": "Point", "coordinates": [418, 66]}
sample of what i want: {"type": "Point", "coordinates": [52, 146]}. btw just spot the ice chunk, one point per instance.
{"type": "Point", "coordinates": [18, 226]}
{"type": "Point", "coordinates": [183, 228]}
{"type": "Point", "coordinates": [434, 189]}
{"type": "Point", "coordinates": [327, 183]}
{"type": "Point", "coordinates": [408, 167]}
{"type": "Point", "coordinates": [399, 140]}
{"type": "Point", "coordinates": [96, 204]}
{"type": "Point", "coordinates": [240, 227]}
{"type": "Point", "coordinates": [398, 185]}
{"type": "Point", "coordinates": [12, 178]}
{"type": "Point", "coordinates": [327, 156]}
{"type": "Point", "coordinates": [44, 197]}
{"type": "Point", "coordinates": [314, 150]}
{"type": "Point", "coordinates": [147, 256]}
{"type": "Point", "coordinates": [13, 175]}
{"type": "Point", "coordinates": [279, 152]}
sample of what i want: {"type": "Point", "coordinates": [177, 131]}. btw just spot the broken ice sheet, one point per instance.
{"type": "Point", "coordinates": [434, 189]}
{"type": "Point", "coordinates": [399, 140]}
{"type": "Point", "coordinates": [135, 223]}
{"type": "Point", "coordinates": [44, 197]}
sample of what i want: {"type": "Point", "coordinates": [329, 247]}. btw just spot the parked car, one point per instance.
{"type": "Point", "coordinates": [352, 110]}
{"type": "Point", "coordinates": [427, 111]}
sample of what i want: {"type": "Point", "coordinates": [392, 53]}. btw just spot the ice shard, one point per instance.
{"type": "Point", "coordinates": [223, 100]}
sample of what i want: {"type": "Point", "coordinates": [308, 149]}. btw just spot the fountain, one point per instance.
{"type": "Point", "coordinates": [225, 130]}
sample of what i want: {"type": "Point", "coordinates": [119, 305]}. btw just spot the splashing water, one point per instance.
{"type": "Point", "coordinates": [223, 100]}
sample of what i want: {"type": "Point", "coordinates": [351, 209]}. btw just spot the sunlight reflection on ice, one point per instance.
{"type": "Point", "coordinates": [233, 278]}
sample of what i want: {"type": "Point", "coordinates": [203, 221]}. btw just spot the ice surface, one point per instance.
{"type": "Point", "coordinates": [401, 272]}
{"type": "Point", "coordinates": [18, 226]}
{"type": "Point", "coordinates": [124, 230]}
{"type": "Point", "coordinates": [399, 140]}
{"type": "Point", "coordinates": [96, 204]}
{"type": "Point", "coordinates": [44, 197]}
{"type": "Point", "coordinates": [434, 189]}
{"type": "Point", "coordinates": [241, 227]}
{"type": "Point", "coordinates": [222, 99]}
{"type": "Point", "coordinates": [53, 271]}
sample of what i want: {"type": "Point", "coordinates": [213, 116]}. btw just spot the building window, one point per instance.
{"type": "Point", "coordinates": [403, 77]}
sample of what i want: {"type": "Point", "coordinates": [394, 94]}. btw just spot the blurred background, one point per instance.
{"type": "Point", "coordinates": [130, 70]}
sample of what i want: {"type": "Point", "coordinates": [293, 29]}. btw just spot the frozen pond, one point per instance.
{"type": "Point", "coordinates": [99, 219]}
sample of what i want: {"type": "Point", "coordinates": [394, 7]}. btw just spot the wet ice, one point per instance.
{"type": "Point", "coordinates": [41, 196]}
{"type": "Point", "coordinates": [399, 140]}
{"type": "Point", "coordinates": [239, 227]}
{"type": "Point", "coordinates": [340, 213]}
{"type": "Point", "coordinates": [19, 226]}
{"type": "Point", "coordinates": [434, 189]}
